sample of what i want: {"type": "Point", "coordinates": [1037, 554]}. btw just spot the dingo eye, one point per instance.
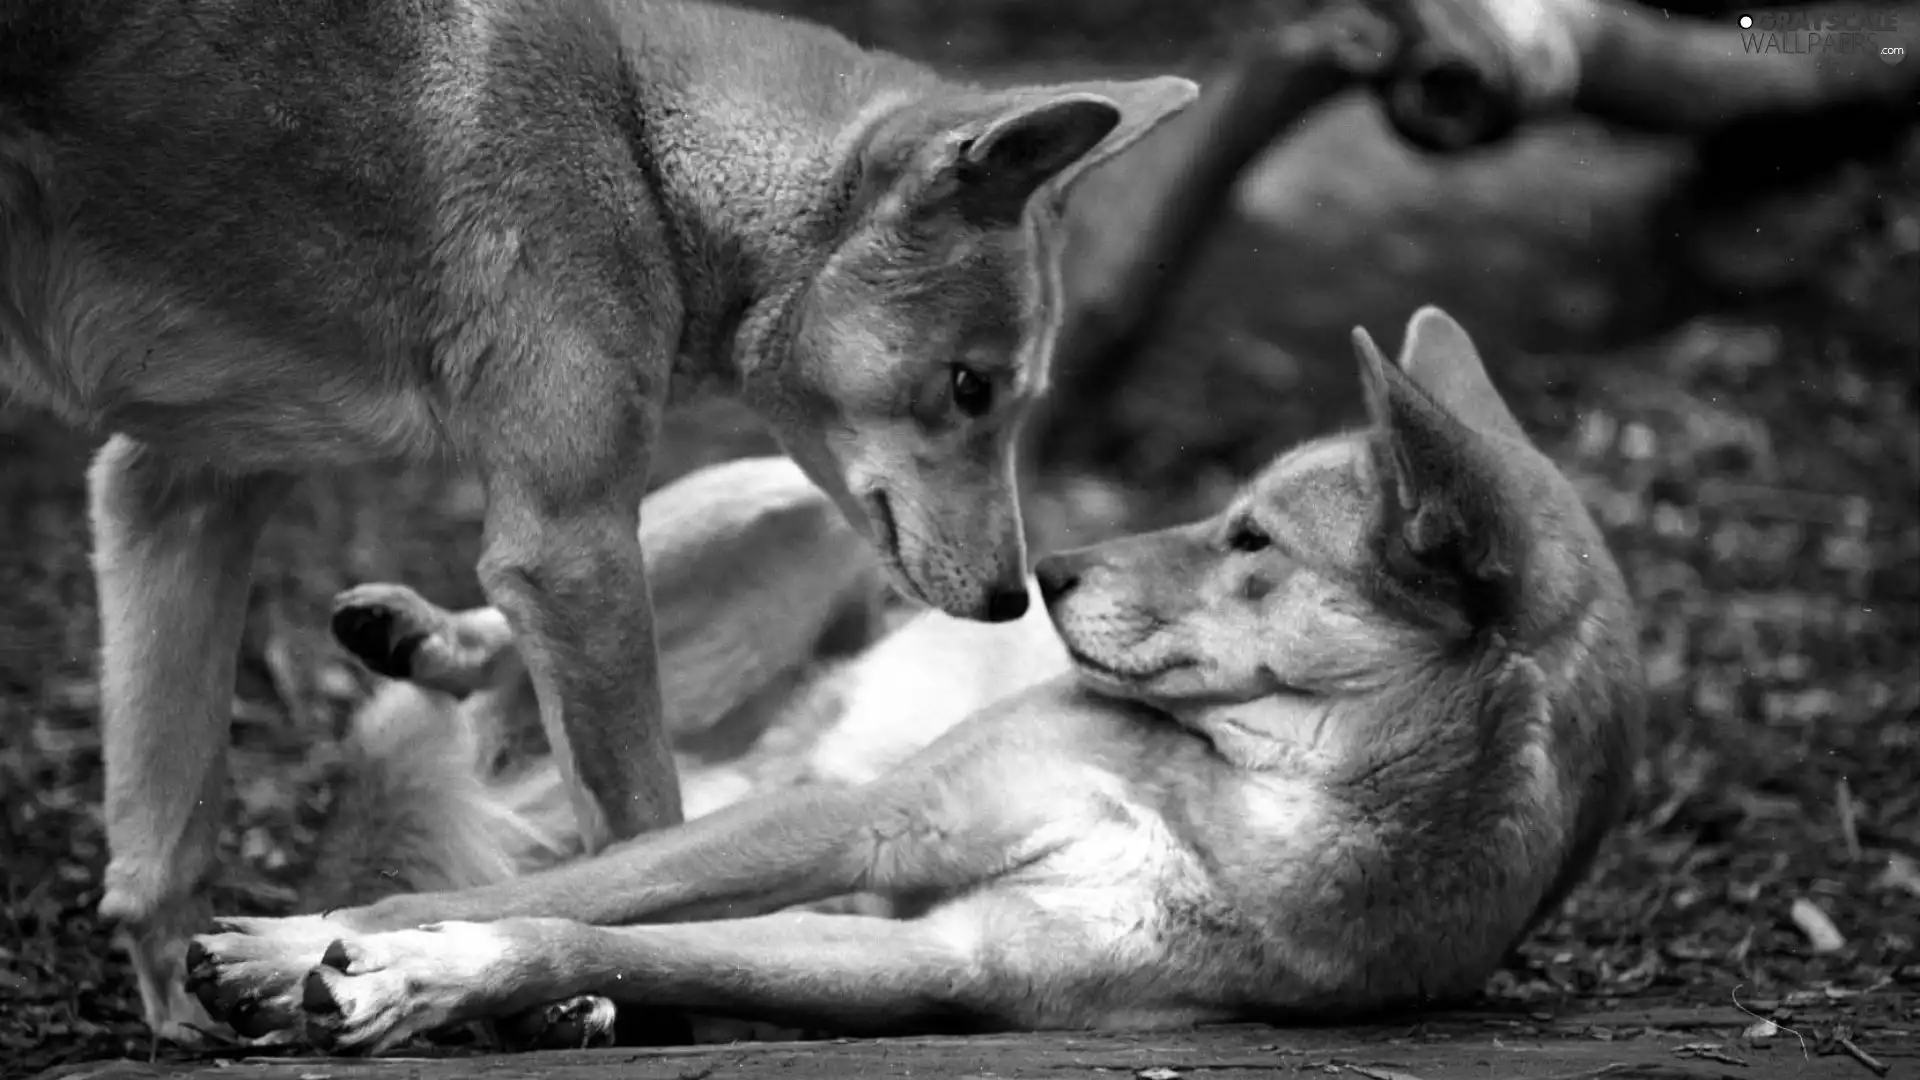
{"type": "Point", "coordinates": [1246, 536]}
{"type": "Point", "coordinates": [972, 393]}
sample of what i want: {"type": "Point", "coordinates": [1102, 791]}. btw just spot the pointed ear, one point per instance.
{"type": "Point", "coordinates": [1438, 354]}
{"type": "Point", "coordinates": [1047, 138]}
{"type": "Point", "coordinates": [1143, 105]}
{"type": "Point", "coordinates": [1448, 527]}
{"type": "Point", "coordinates": [999, 169]}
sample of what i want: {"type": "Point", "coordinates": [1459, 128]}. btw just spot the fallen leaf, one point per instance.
{"type": "Point", "coordinates": [1901, 872]}
{"type": "Point", "coordinates": [1709, 1051]}
{"type": "Point", "coordinates": [1691, 948]}
{"type": "Point", "coordinates": [1374, 1072]}
{"type": "Point", "coordinates": [1822, 935]}
{"type": "Point", "coordinates": [1158, 1074]}
{"type": "Point", "coordinates": [1849, 825]}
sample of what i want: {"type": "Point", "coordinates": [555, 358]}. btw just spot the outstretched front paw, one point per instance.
{"type": "Point", "coordinates": [377, 991]}
{"type": "Point", "coordinates": [250, 973]}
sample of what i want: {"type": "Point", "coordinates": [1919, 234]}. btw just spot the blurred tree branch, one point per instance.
{"type": "Point", "coordinates": [1254, 102]}
{"type": "Point", "coordinates": [1456, 74]}
{"type": "Point", "coordinates": [1638, 68]}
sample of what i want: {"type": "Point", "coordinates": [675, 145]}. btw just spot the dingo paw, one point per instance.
{"type": "Point", "coordinates": [385, 626]}
{"type": "Point", "coordinates": [574, 1024]}
{"type": "Point", "coordinates": [376, 991]}
{"type": "Point", "coordinates": [249, 974]}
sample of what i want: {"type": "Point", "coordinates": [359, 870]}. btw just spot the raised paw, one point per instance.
{"type": "Point", "coordinates": [385, 626]}
{"type": "Point", "coordinates": [249, 973]}
{"type": "Point", "coordinates": [376, 991]}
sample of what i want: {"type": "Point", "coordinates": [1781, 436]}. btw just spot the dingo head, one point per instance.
{"type": "Point", "coordinates": [920, 341]}
{"type": "Point", "coordinates": [1349, 558]}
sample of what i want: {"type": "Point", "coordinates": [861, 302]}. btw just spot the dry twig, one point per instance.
{"type": "Point", "coordinates": [1880, 1068]}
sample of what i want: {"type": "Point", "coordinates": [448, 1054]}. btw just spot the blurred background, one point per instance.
{"type": "Point", "coordinates": [1717, 336]}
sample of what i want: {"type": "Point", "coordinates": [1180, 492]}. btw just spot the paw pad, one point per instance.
{"type": "Point", "coordinates": [368, 633]}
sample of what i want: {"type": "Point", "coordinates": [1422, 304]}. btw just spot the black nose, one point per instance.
{"type": "Point", "coordinates": [1006, 605]}
{"type": "Point", "coordinates": [1056, 576]}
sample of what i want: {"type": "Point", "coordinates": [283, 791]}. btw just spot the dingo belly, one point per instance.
{"type": "Point", "coordinates": [107, 354]}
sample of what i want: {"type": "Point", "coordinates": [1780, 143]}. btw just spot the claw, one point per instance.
{"type": "Point", "coordinates": [316, 996]}
{"type": "Point", "coordinates": [336, 956]}
{"type": "Point", "coordinates": [196, 959]}
{"type": "Point", "coordinates": [244, 1017]}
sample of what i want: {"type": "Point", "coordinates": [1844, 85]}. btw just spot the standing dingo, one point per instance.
{"type": "Point", "coordinates": [253, 237]}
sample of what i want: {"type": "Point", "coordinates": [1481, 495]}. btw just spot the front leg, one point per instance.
{"type": "Point", "coordinates": [172, 557]}
{"type": "Point", "coordinates": [994, 960]}
{"type": "Point", "coordinates": [839, 972]}
{"type": "Point", "coordinates": [991, 796]}
{"type": "Point", "coordinates": [570, 576]}
{"type": "Point", "coordinates": [988, 796]}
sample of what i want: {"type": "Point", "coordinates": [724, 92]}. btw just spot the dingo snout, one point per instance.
{"type": "Point", "coordinates": [969, 565]}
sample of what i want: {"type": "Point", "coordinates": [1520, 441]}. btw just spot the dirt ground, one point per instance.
{"type": "Point", "coordinates": [1756, 467]}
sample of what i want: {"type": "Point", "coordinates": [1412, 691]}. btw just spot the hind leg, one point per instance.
{"type": "Point", "coordinates": [173, 548]}
{"type": "Point", "coordinates": [760, 574]}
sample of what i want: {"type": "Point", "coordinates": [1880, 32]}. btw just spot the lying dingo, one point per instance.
{"type": "Point", "coordinates": [1331, 751]}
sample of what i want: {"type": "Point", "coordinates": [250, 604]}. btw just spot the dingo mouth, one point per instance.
{"type": "Point", "coordinates": [886, 531]}
{"type": "Point", "coordinates": [886, 540]}
{"type": "Point", "coordinates": [1124, 675]}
